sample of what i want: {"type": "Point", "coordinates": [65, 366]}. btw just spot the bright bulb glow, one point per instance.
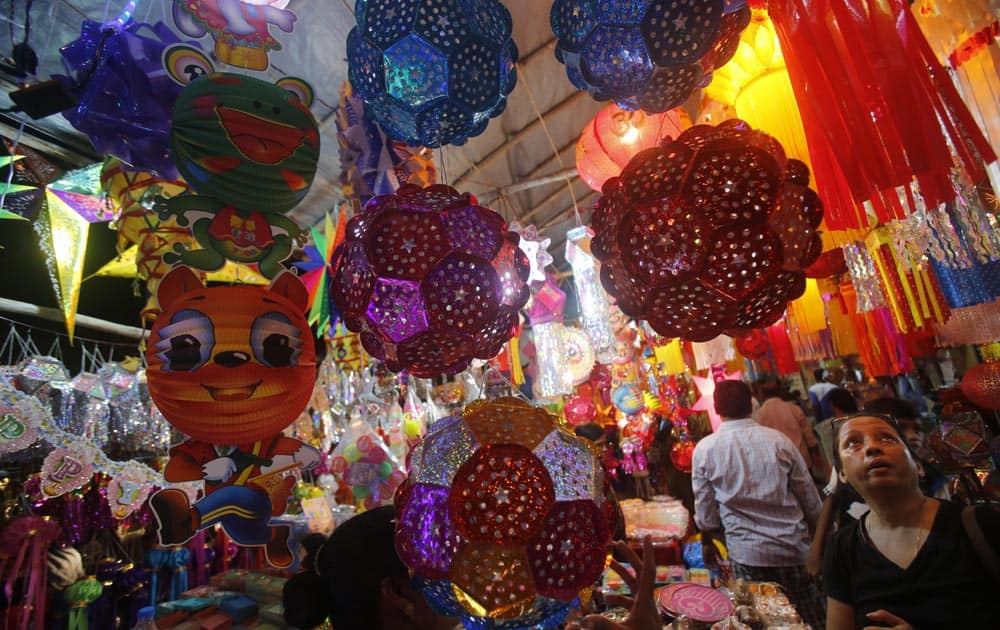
{"type": "Point", "coordinates": [630, 136]}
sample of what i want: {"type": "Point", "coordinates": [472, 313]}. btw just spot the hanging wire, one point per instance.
{"type": "Point", "coordinates": [50, 331]}
{"type": "Point", "coordinates": [10, 167]}
{"type": "Point", "coordinates": [348, 6]}
{"type": "Point", "coordinates": [552, 144]}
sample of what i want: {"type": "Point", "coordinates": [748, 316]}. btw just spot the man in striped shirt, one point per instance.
{"type": "Point", "coordinates": [753, 488]}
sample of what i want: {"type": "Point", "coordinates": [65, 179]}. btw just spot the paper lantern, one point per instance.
{"type": "Point", "coordinates": [615, 135]}
{"type": "Point", "coordinates": [595, 308]}
{"type": "Point", "coordinates": [981, 385]}
{"type": "Point", "coordinates": [230, 364]}
{"type": "Point", "coordinates": [503, 518]}
{"type": "Point", "coordinates": [645, 54]}
{"type": "Point", "coordinates": [754, 345]}
{"type": "Point", "coordinates": [430, 279]}
{"type": "Point", "coordinates": [250, 143]}
{"type": "Point", "coordinates": [709, 233]}
{"type": "Point", "coordinates": [434, 72]}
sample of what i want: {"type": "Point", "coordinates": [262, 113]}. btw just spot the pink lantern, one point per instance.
{"type": "Point", "coordinates": [616, 135]}
{"type": "Point", "coordinates": [981, 385]}
{"type": "Point", "coordinates": [430, 279]}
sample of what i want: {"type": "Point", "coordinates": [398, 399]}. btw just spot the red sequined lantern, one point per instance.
{"type": "Point", "coordinates": [981, 385]}
{"type": "Point", "coordinates": [829, 264]}
{"type": "Point", "coordinates": [709, 233]}
{"type": "Point", "coordinates": [615, 135]}
{"type": "Point", "coordinates": [430, 279]}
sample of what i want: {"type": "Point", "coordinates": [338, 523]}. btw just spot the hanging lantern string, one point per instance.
{"type": "Point", "coordinates": [552, 144]}
{"type": "Point", "coordinates": [10, 167]}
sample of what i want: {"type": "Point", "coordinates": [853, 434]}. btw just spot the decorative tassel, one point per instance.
{"type": "Point", "coordinates": [79, 595]}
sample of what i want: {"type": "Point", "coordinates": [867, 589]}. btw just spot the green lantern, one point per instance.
{"type": "Point", "coordinates": [247, 142]}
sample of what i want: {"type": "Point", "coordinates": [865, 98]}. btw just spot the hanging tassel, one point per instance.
{"type": "Point", "coordinates": [80, 595]}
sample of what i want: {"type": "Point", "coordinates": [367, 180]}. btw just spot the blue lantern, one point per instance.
{"type": "Point", "coordinates": [646, 54]}
{"type": "Point", "coordinates": [432, 72]}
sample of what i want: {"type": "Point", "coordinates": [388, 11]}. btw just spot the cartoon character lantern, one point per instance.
{"type": "Point", "coordinates": [231, 366]}
{"type": "Point", "coordinates": [249, 148]}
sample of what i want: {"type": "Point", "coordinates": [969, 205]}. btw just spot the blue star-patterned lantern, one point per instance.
{"type": "Point", "coordinates": [646, 54]}
{"type": "Point", "coordinates": [432, 72]}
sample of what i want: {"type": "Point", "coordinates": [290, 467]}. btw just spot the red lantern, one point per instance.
{"type": "Point", "coordinates": [981, 385]}
{"type": "Point", "coordinates": [709, 233]}
{"type": "Point", "coordinates": [615, 135]}
{"type": "Point", "coordinates": [829, 264]}
{"type": "Point", "coordinates": [754, 345]}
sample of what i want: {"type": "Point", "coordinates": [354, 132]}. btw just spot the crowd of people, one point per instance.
{"type": "Point", "coordinates": [842, 512]}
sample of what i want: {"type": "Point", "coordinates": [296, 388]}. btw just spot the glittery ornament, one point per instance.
{"type": "Point", "coordinates": [514, 527]}
{"type": "Point", "coordinates": [645, 54]}
{"type": "Point", "coordinates": [981, 385]}
{"type": "Point", "coordinates": [34, 372]}
{"type": "Point", "coordinates": [433, 72]}
{"type": "Point", "coordinates": [430, 280]}
{"type": "Point", "coordinates": [709, 233]}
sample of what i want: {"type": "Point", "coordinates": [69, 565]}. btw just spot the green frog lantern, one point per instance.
{"type": "Point", "coordinates": [249, 149]}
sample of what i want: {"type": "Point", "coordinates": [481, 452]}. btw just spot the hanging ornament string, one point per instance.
{"type": "Point", "coordinates": [552, 145]}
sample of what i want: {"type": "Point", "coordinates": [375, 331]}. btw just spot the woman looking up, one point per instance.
{"type": "Point", "coordinates": [910, 562]}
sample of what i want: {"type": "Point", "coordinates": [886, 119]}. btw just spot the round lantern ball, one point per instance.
{"type": "Point", "coordinates": [646, 54]}
{"type": "Point", "coordinates": [503, 518]}
{"type": "Point", "coordinates": [247, 142]}
{"type": "Point", "coordinates": [981, 385]}
{"type": "Point", "coordinates": [615, 135]}
{"type": "Point", "coordinates": [707, 234]}
{"type": "Point", "coordinates": [430, 279]}
{"type": "Point", "coordinates": [432, 72]}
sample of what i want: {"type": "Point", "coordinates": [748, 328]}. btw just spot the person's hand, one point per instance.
{"type": "Point", "coordinates": [219, 469]}
{"type": "Point", "coordinates": [887, 620]}
{"type": "Point", "coordinates": [709, 552]}
{"type": "Point", "coordinates": [643, 614]}
{"type": "Point", "coordinates": [814, 561]}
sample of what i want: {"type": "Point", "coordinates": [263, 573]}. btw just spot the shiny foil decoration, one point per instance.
{"type": "Point", "coordinates": [646, 54]}
{"type": "Point", "coordinates": [505, 524]}
{"type": "Point", "coordinates": [981, 385]}
{"type": "Point", "coordinates": [430, 280]}
{"type": "Point", "coordinates": [709, 233]}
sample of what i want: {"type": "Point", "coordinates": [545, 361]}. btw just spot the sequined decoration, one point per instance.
{"type": "Point", "coordinates": [595, 307]}
{"type": "Point", "coordinates": [430, 280]}
{"type": "Point", "coordinates": [861, 268]}
{"type": "Point", "coordinates": [504, 527]}
{"type": "Point", "coordinates": [432, 73]}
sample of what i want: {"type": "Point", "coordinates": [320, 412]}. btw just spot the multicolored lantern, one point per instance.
{"type": "Point", "coordinates": [709, 233]}
{"type": "Point", "coordinates": [435, 72]}
{"type": "Point", "coordinates": [430, 279]}
{"type": "Point", "coordinates": [616, 135]}
{"type": "Point", "coordinates": [503, 518]}
{"type": "Point", "coordinates": [231, 367]}
{"type": "Point", "coordinates": [645, 54]}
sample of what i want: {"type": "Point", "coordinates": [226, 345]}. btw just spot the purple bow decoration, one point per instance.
{"type": "Point", "coordinates": [126, 94]}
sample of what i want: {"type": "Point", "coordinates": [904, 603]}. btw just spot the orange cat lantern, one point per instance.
{"type": "Point", "coordinates": [231, 366]}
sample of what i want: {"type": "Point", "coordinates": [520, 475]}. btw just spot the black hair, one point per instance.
{"type": "Point", "coordinates": [348, 571]}
{"type": "Point", "coordinates": [845, 401]}
{"type": "Point", "coordinates": [732, 399]}
{"type": "Point", "coordinates": [818, 374]}
{"type": "Point", "coordinates": [896, 407]}
{"type": "Point", "coordinates": [770, 389]}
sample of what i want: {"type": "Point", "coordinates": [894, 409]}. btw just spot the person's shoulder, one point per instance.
{"type": "Point", "coordinates": [988, 519]}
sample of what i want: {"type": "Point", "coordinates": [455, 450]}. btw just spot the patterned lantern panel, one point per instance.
{"type": "Point", "coordinates": [432, 72]}
{"type": "Point", "coordinates": [709, 233]}
{"type": "Point", "coordinates": [981, 385]}
{"type": "Point", "coordinates": [646, 54]}
{"type": "Point", "coordinates": [430, 279]}
{"type": "Point", "coordinates": [615, 135]}
{"type": "Point", "coordinates": [502, 519]}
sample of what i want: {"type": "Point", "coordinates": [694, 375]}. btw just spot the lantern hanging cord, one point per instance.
{"type": "Point", "coordinates": [552, 145]}
{"type": "Point", "coordinates": [10, 166]}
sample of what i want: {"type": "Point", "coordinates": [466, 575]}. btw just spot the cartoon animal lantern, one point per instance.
{"type": "Point", "coordinates": [231, 366]}
{"type": "Point", "coordinates": [249, 149]}
{"type": "Point", "coordinates": [242, 30]}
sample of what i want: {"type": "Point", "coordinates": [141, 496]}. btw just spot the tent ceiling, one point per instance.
{"type": "Point", "coordinates": [522, 166]}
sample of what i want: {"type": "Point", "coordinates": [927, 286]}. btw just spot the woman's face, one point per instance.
{"type": "Point", "coordinates": [874, 456]}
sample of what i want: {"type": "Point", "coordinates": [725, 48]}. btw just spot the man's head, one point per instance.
{"type": "Point", "coordinates": [770, 389]}
{"type": "Point", "coordinates": [835, 376]}
{"type": "Point", "coordinates": [818, 374]}
{"type": "Point", "coordinates": [732, 400]}
{"type": "Point", "coordinates": [842, 402]}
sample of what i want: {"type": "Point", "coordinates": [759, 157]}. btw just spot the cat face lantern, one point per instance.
{"type": "Point", "coordinates": [231, 364]}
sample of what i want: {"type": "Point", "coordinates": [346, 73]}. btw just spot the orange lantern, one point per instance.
{"type": "Point", "coordinates": [616, 135]}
